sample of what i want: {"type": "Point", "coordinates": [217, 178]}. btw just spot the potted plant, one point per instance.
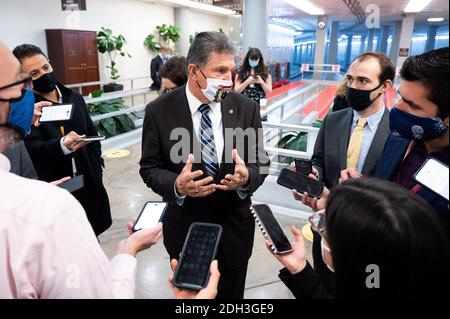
{"type": "Point", "coordinates": [111, 45]}
{"type": "Point", "coordinates": [163, 36]}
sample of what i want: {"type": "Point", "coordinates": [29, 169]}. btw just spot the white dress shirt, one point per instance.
{"type": "Point", "coordinates": [48, 248]}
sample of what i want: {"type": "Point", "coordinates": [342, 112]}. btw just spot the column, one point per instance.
{"type": "Point", "coordinates": [370, 40]}
{"type": "Point", "coordinates": [348, 52]}
{"type": "Point", "coordinates": [396, 41]}
{"type": "Point", "coordinates": [405, 39]}
{"type": "Point", "coordinates": [362, 47]}
{"type": "Point", "coordinates": [431, 38]}
{"type": "Point", "coordinates": [332, 52]}
{"type": "Point", "coordinates": [383, 42]}
{"type": "Point", "coordinates": [182, 21]}
{"type": "Point", "coordinates": [256, 25]}
{"type": "Point", "coordinates": [321, 41]}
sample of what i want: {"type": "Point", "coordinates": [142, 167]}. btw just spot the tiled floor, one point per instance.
{"type": "Point", "coordinates": [128, 194]}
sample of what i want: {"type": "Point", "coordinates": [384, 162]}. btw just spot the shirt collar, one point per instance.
{"type": "Point", "coordinates": [195, 103]}
{"type": "Point", "coordinates": [373, 120]}
{"type": "Point", "coordinates": [5, 164]}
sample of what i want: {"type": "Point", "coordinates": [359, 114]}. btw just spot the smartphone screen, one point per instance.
{"type": "Point", "coordinates": [273, 228]}
{"type": "Point", "coordinates": [150, 215]}
{"type": "Point", "coordinates": [56, 113]}
{"type": "Point", "coordinates": [198, 253]}
{"type": "Point", "coordinates": [303, 167]}
{"type": "Point", "coordinates": [300, 183]}
{"type": "Point", "coordinates": [434, 175]}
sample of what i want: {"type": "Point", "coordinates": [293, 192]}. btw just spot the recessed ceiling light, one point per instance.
{"type": "Point", "coordinates": [306, 6]}
{"type": "Point", "coordinates": [416, 5]}
{"type": "Point", "coordinates": [435, 19]}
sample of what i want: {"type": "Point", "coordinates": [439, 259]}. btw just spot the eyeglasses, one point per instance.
{"type": "Point", "coordinates": [24, 79]}
{"type": "Point", "coordinates": [317, 221]}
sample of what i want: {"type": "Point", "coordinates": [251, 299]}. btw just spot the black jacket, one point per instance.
{"type": "Point", "coordinates": [43, 145]}
{"type": "Point", "coordinates": [304, 285]}
{"type": "Point", "coordinates": [171, 111]}
{"type": "Point", "coordinates": [155, 67]}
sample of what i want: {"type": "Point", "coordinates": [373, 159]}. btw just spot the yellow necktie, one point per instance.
{"type": "Point", "coordinates": [354, 147]}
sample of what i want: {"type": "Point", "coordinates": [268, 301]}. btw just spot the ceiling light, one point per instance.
{"type": "Point", "coordinates": [306, 6]}
{"type": "Point", "coordinates": [416, 5]}
{"type": "Point", "coordinates": [202, 6]}
{"type": "Point", "coordinates": [435, 19]}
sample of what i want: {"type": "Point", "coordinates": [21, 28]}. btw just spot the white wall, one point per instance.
{"type": "Point", "coordinates": [24, 21]}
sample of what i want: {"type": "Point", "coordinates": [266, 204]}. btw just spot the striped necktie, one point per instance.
{"type": "Point", "coordinates": [208, 145]}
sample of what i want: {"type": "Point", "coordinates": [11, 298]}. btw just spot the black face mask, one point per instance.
{"type": "Point", "coordinates": [359, 100]}
{"type": "Point", "coordinates": [45, 84]}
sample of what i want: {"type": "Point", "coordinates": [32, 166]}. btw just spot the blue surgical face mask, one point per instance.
{"type": "Point", "coordinates": [412, 127]}
{"type": "Point", "coordinates": [253, 64]}
{"type": "Point", "coordinates": [21, 112]}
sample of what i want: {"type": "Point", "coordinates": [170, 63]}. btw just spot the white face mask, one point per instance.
{"type": "Point", "coordinates": [216, 89]}
{"type": "Point", "coordinates": [323, 255]}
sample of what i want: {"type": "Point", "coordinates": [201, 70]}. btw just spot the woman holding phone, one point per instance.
{"type": "Point", "coordinates": [374, 246]}
{"type": "Point", "coordinates": [59, 148]}
{"type": "Point", "coordinates": [254, 80]}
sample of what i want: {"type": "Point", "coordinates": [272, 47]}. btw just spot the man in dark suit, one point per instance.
{"type": "Point", "coordinates": [155, 67]}
{"type": "Point", "coordinates": [53, 147]}
{"type": "Point", "coordinates": [354, 137]}
{"type": "Point", "coordinates": [215, 184]}
{"type": "Point", "coordinates": [419, 125]}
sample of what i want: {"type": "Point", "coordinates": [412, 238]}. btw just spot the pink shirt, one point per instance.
{"type": "Point", "coordinates": [48, 248]}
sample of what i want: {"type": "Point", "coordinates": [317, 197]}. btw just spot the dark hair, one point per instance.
{"type": "Point", "coordinates": [175, 70]}
{"type": "Point", "coordinates": [261, 69]}
{"type": "Point", "coordinates": [206, 43]}
{"type": "Point", "coordinates": [431, 70]}
{"type": "Point", "coordinates": [386, 65]}
{"type": "Point", "coordinates": [25, 51]}
{"type": "Point", "coordinates": [375, 222]}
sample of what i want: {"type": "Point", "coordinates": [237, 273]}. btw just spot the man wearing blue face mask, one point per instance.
{"type": "Point", "coordinates": [216, 184]}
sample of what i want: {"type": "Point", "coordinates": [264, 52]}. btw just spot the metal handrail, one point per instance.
{"type": "Point", "coordinates": [80, 85]}
{"type": "Point", "coordinates": [116, 95]}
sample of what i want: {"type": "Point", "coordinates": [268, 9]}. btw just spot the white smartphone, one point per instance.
{"type": "Point", "coordinates": [151, 214]}
{"type": "Point", "coordinates": [56, 113]}
{"type": "Point", "coordinates": [89, 138]}
{"type": "Point", "coordinates": [434, 175]}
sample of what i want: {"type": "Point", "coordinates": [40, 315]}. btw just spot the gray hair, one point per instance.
{"type": "Point", "coordinates": [205, 44]}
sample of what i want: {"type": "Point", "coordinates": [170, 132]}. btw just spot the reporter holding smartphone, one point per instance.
{"type": "Point", "coordinates": [47, 247]}
{"type": "Point", "coordinates": [55, 148]}
{"type": "Point", "coordinates": [374, 247]}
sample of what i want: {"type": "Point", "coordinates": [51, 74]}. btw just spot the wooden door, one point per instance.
{"type": "Point", "coordinates": [89, 60]}
{"type": "Point", "coordinates": [72, 57]}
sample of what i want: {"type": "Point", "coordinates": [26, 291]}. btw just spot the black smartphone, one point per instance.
{"type": "Point", "coordinates": [300, 183]}
{"type": "Point", "coordinates": [199, 251]}
{"type": "Point", "coordinates": [73, 184]}
{"type": "Point", "coordinates": [303, 166]}
{"type": "Point", "coordinates": [271, 229]}
{"type": "Point", "coordinates": [151, 214]}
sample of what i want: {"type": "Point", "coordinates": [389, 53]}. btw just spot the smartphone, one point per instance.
{"type": "Point", "coordinates": [271, 229]}
{"type": "Point", "coordinates": [73, 184]}
{"type": "Point", "coordinates": [303, 167]}
{"type": "Point", "coordinates": [434, 175]}
{"type": "Point", "coordinates": [300, 183]}
{"type": "Point", "coordinates": [199, 251]}
{"type": "Point", "coordinates": [56, 113]}
{"type": "Point", "coordinates": [151, 214]}
{"type": "Point", "coordinates": [89, 138]}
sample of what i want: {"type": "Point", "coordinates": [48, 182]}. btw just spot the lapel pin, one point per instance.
{"type": "Point", "coordinates": [230, 111]}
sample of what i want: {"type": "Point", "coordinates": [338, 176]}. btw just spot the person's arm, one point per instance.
{"type": "Point", "coordinates": [39, 147]}
{"type": "Point", "coordinates": [239, 86]}
{"type": "Point", "coordinates": [305, 284]}
{"type": "Point", "coordinates": [153, 169]}
{"type": "Point", "coordinates": [266, 85]}
{"type": "Point", "coordinates": [318, 157]}
{"type": "Point", "coordinates": [71, 263]}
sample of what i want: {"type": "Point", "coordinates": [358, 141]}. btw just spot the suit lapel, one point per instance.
{"type": "Point", "coordinates": [377, 146]}
{"type": "Point", "coordinates": [343, 131]}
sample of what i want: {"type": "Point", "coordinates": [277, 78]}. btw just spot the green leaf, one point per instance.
{"type": "Point", "coordinates": [110, 126]}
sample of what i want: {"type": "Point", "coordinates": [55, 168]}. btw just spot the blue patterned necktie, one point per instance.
{"type": "Point", "coordinates": [209, 154]}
